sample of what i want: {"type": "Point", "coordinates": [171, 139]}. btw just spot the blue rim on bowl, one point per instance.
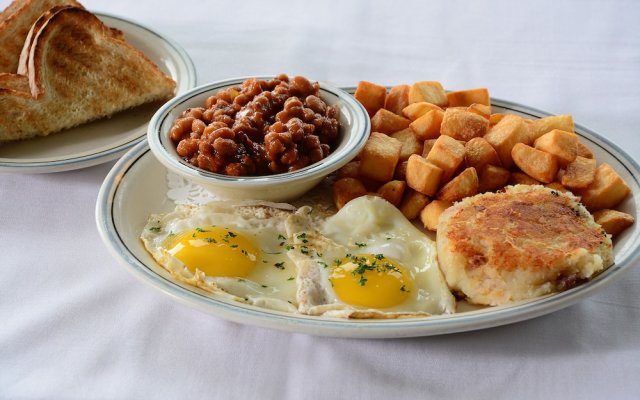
{"type": "Point", "coordinates": [352, 114]}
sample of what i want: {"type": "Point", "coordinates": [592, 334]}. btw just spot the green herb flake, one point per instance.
{"type": "Point", "coordinates": [155, 229]}
{"type": "Point", "coordinates": [361, 244]}
{"type": "Point", "coordinates": [291, 278]}
{"type": "Point", "coordinates": [279, 265]}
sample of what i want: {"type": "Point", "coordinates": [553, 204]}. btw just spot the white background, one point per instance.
{"type": "Point", "coordinates": [74, 324]}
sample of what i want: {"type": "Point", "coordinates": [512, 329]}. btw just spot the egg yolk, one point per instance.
{"type": "Point", "coordinates": [369, 280]}
{"type": "Point", "coordinates": [215, 251]}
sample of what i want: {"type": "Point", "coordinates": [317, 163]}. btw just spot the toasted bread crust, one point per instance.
{"type": "Point", "coordinates": [78, 70]}
{"type": "Point", "coordinates": [15, 22]}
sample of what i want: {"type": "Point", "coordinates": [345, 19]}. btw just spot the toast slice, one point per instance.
{"type": "Point", "coordinates": [78, 70]}
{"type": "Point", "coordinates": [35, 28]}
{"type": "Point", "coordinates": [15, 22]}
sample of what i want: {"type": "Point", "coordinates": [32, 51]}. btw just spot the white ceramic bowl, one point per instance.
{"type": "Point", "coordinates": [354, 129]}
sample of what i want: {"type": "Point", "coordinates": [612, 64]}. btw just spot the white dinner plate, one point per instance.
{"type": "Point", "coordinates": [106, 139]}
{"type": "Point", "coordinates": [136, 187]}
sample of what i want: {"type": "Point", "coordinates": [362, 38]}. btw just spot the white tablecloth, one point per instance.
{"type": "Point", "coordinates": [74, 324]}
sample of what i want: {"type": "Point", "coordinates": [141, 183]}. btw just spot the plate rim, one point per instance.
{"type": "Point", "coordinates": [414, 327]}
{"type": "Point", "coordinates": [88, 160]}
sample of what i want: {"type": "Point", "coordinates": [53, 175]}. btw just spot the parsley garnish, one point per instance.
{"type": "Point", "coordinates": [361, 244]}
{"type": "Point", "coordinates": [279, 265]}
{"type": "Point", "coordinates": [291, 278]}
{"type": "Point", "coordinates": [155, 229]}
{"type": "Point", "coordinates": [233, 246]}
{"type": "Point", "coordinates": [200, 230]}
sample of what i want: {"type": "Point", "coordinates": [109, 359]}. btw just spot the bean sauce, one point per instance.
{"type": "Point", "coordinates": [261, 127]}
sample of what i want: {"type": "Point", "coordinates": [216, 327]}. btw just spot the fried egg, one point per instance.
{"type": "Point", "coordinates": [233, 250]}
{"type": "Point", "coordinates": [366, 261]}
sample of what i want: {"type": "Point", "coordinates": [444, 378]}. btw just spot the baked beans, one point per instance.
{"type": "Point", "coordinates": [260, 127]}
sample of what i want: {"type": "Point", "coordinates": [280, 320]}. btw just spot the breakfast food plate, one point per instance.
{"type": "Point", "coordinates": [137, 187]}
{"type": "Point", "coordinates": [106, 139]}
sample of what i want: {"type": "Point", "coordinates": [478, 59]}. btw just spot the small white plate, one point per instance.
{"type": "Point", "coordinates": [136, 187]}
{"type": "Point", "coordinates": [106, 139]}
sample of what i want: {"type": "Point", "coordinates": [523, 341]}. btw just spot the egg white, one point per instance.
{"type": "Point", "coordinates": [368, 225]}
{"type": "Point", "coordinates": [271, 284]}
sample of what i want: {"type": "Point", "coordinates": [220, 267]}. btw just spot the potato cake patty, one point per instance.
{"type": "Point", "coordinates": [528, 241]}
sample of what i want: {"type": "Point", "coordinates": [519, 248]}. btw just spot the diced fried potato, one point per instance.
{"type": "Point", "coordinates": [447, 153]}
{"type": "Point", "coordinates": [538, 164]}
{"type": "Point", "coordinates": [579, 174]}
{"type": "Point", "coordinates": [557, 186]}
{"type": "Point", "coordinates": [607, 190]}
{"type": "Point", "coordinates": [379, 157]}
{"type": "Point", "coordinates": [495, 118]}
{"type": "Point", "coordinates": [613, 221]}
{"type": "Point", "coordinates": [410, 143]}
{"type": "Point", "coordinates": [464, 185]}
{"type": "Point", "coordinates": [583, 151]}
{"type": "Point", "coordinates": [478, 153]}
{"type": "Point", "coordinates": [417, 110]}
{"type": "Point", "coordinates": [430, 214]}
{"type": "Point", "coordinates": [397, 99]}
{"type": "Point", "coordinates": [539, 127]}
{"type": "Point", "coordinates": [347, 189]}
{"type": "Point", "coordinates": [385, 121]}
{"type": "Point", "coordinates": [428, 126]}
{"type": "Point", "coordinates": [412, 203]}
{"type": "Point", "coordinates": [427, 146]}
{"type": "Point", "coordinates": [467, 97]}
{"type": "Point", "coordinates": [350, 170]}
{"type": "Point", "coordinates": [392, 191]}
{"type": "Point", "coordinates": [480, 109]}
{"type": "Point", "coordinates": [423, 176]}
{"type": "Point", "coordinates": [505, 134]}
{"type": "Point", "coordinates": [492, 178]}
{"type": "Point", "coordinates": [371, 96]}
{"type": "Point", "coordinates": [520, 178]}
{"type": "Point", "coordinates": [562, 144]}
{"type": "Point", "coordinates": [463, 125]}
{"type": "Point", "coordinates": [401, 171]}
{"type": "Point", "coordinates": [429, 91]}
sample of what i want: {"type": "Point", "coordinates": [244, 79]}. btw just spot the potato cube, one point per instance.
{"type": "Point", "coordinates": [392, 191]}
{"type": "Point", "coordinates": [423, 176]}
{"type": "Point", "coordinates": [520, 178]}
{"type": "Point", "coordinates": [397, 99]}
{"type": "Point", "coordinates": [538, 164]}
{"type": "Point", "coordinates": [410, 143]}
{"type": "Point", "coordinates": [412, 203]}
{"type": "Point", "coordinates": [557, 186]}
{"type": "Point", "coordinates": [579, 174]}
{"type": "Point", "coordinates": [478, 153]}
{"type": "Point", "coordinates": [607, 190]}
{"type": "Point", "coordinates": [427, 146]}
{"type": "Point", "coordinates": [505, 134]}
{"type": "Point", "coordinates": [347, 189]}
{"type": "Point", "coordinates": [539, 127]}
{"type": "Point", "coordinates": [467, 97]}
{"type": "Point", "coordinates": [464, 185]}
{"type": "Point", "coordinates": [613, 221]}
{"type": "Point", "coordinates": [379, 157]}
{"type": "Point", "coordinates": [371, 96]}
{"type": "Point", "coordinates": [429, 91]}
{"type": "Point", "coordinates": [492, 178]}
{"type": "Point", "coordinates": [583, 151]}
{"type": "Point", "coordinates": [562, 144]}
{"type": "Point", "coordinates": [350, 170]}
{"type": "Point", "coordinates": [401, 171]}
{"type": "Point", "coordinates": [480, 109]}
{"type": "Point", "coordinates": [430, 214]}
{"type": "Point", "coordinates": [463, 125]}
{"type": "Point", "coordinates": [385, 121]}
{"type": "Point", "coordinates": [417, 110]}
{"type": "Point", "coordinates": [428, 126]}
{"type": "Point", "coordinates": [447, 153]}
{"type": "Point", "coordinates": [495, 118]}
